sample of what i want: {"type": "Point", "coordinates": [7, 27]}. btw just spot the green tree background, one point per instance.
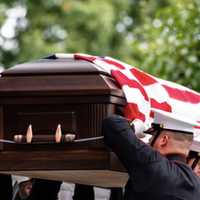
{"type": "Point", "coordinates": [161, 37]}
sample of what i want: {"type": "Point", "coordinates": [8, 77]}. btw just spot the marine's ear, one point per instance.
{"type": "Point", "coordinates": [163, 140]}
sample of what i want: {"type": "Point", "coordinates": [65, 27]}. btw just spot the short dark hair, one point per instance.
{"type": "Point", "coordinates": [182, 136]}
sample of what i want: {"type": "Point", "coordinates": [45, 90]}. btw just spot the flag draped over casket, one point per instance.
{"type": "Point", "coordinates": [78, 92]}
{"type": "Point", "coordinates": [145, 93]}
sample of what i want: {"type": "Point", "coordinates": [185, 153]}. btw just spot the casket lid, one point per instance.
{"type": "Point", "coordinates": [55, 66]}
{"type": "Point", "coordinates": [56, 76]}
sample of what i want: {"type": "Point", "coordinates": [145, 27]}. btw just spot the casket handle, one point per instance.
{"type": "Point", "coordinates": [41, 138]}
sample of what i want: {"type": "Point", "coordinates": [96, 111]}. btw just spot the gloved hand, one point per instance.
{"type": "Point", "coordinates": [139, 128]}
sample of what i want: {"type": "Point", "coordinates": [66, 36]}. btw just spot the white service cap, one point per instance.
{"type": "Point", "coordinates": [174, 122]}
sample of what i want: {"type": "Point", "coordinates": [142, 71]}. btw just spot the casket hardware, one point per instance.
{"type": "Point", "coordinates": [29, 138]}
{"type": "Point", "coordinates": [42, 139]}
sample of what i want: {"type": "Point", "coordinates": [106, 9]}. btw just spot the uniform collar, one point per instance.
{"type": "Point", "coordinates": [177, 157]}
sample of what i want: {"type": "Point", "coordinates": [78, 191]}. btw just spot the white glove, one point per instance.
{"type": "Point", "coordinates": [139, 128]}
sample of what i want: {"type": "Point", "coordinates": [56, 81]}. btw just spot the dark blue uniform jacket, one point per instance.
{"type": "Point", "coordinates": [152, 176]}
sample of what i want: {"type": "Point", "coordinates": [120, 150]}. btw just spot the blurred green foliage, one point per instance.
{"type": "Point", "coordinates": [162, 37]}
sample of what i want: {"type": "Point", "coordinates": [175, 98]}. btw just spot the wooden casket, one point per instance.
{"type": "Point", "coordinates": [77, 96]}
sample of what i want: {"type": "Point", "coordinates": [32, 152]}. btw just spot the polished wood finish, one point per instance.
{"type": "Point", "coordinates": [52, 85]}
{"type": "Point", "coordinates": [84, 120]}
{"type": "Point", "coordinates": [101, 178]}
{"type": "Point", "coordinates": [45, 93]}
{"type": "Point", "coordinates": [53, 66]}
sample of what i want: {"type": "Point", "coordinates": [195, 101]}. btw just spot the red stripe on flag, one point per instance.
{"type": "Point", "coordinates": [131, 112]}
{"type": "Point", "coordinates": [152, 114]}
{"type": "Point", "coordinates": [198, 127]}
{"type": "Point", "coordinates": [182, 95]}
{"type": "Point", "coordinates": [161, 106]}
{"type": "Point", "coordinates": [142, 77]}
{"type": "Point", "coordinates": [112, 62]}
{"type": "Point", "coordinates": [124, 80]}
{"type": "Point", "coordinates": [83, 57]}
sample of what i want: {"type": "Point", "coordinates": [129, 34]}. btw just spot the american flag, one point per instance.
{"type": "Point", "coordinates": [144, 93]}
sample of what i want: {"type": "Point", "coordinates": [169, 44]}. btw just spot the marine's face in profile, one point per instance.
{"type": "Point", "coordinates": [197, 167]}
{"type": "Point", "coordinates": [154, 139]}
